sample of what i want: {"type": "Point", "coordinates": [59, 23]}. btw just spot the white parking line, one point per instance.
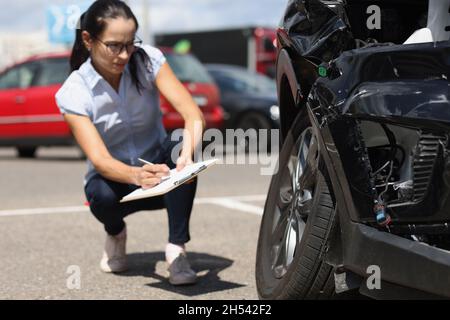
{"type": "Point", "coordinates": [237, 205]}
{"type": "Point", "coordinates": [38, 211]}
{"type": "Point", "coordinates": [232, 202]}
{"type": "Point", "coordinates": [256, 197]}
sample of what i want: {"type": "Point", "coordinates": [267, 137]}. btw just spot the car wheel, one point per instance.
{"type": "Point", "coordinates": [26, 152]}
{"type": "Point", "coordinates": [253, 120]}
{"type": "Point", "coordinates": [298, 219]}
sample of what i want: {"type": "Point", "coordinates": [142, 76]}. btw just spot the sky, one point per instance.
{"type": "Point", "coordinates": [170, 15]}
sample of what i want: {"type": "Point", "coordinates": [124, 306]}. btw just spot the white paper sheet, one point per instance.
{"type": "Point", "coordinates": [176, 178]}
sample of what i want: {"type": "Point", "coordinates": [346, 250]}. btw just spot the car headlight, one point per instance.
{"type": "Point", "coordinates": [275, 112]}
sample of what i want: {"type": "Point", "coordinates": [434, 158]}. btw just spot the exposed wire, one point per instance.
{"type": "Point", "coordinates": [397, 147]}
{"type": "Point", "coordinates": [387, 180]}
{"type": "Point", "coordinates": [382, 167]}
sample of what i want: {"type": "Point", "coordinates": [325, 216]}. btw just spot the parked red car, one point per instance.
{"type": "Point", "coordinates": [29, 117]}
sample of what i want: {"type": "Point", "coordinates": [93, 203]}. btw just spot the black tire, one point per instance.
{"type": "Point", "coordinates": [26, 152]}
{"type": "Point", "coordinates": [304, 275]}
{"type": "Point", "coordinates": [257, 121]}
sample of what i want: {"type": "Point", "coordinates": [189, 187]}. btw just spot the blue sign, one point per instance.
{"type": "Point", "coordinates": [62, 22]}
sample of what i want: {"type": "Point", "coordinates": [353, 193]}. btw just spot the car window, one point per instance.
{"type": "Point", "coordinates": [187, 68]}
{"type": "Point", "coordinates": [19, 77]}
{"type": "Point", "coordinates": [242, 81]}
{"type": "Point", "coordinates": [10, 79]}
{"type": "Point", "coordinates": [240, 86]}
{"type": "Point", "coordinates": [53, 71]}
{"type": "Point", "coordinates": [227, 84]}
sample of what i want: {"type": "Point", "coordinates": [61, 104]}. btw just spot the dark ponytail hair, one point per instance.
{"type": "Point", "coordinates": [79, 52]}
{"type": "Point", "coordinates": [93, 21]}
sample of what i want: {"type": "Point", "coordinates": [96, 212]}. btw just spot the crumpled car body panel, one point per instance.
{"type": "Point", "coordinates": [316, 30]}
{"type": "Point", "coordinates": [402, 86]}
{"type": "Point", "coordinates": [372, 96]}
{"type": "Point", "coordinates": [381, 113]}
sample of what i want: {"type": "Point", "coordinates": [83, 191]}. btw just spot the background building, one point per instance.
{"type": "Point", "coordinates": [17, 46]}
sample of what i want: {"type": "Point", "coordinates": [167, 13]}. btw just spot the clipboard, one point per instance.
{"type": "Point", "coordinates": [176, 179]}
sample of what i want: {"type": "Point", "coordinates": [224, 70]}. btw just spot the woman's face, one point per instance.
{"type": "Point", "coordinates": [118, 34]}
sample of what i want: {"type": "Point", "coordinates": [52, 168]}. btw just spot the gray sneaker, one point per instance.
{"type": "Point", "coordinates": [181, 272]}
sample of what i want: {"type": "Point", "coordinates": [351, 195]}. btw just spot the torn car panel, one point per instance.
{"type": "Point", "coordinates": [380, 111]}
{"type": "Point", "coordinates": [317, 29]}
{"type": "Point", "coordinates": [387, 108]}
{"type": "Point", "coordinates": [380, 91]}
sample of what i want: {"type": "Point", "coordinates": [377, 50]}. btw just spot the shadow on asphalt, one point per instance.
{"type": "Point", "coordinates": [143, 265]}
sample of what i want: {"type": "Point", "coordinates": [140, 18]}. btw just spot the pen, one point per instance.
{"type": "Point", "coordinates": [151, 163]}
{"type": "Point", "coordinates": [145, 161]}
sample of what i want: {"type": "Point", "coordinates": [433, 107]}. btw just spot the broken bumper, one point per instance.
{"type": "Point", "coordinates": [405, 263]}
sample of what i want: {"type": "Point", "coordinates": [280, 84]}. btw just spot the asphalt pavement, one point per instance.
{"type": "Point", "coordinates": [51, 244]}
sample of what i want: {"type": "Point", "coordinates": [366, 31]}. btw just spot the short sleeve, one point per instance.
{"type": "Point", "coordinates": [156, 59]}
{"type": "Point", "coordinates": [73, 97]}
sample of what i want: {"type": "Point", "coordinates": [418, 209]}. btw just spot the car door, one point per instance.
{"type": "Point", "coordinates": [13, 85]}
{"type": "Point", "coordinates": [44, 119]}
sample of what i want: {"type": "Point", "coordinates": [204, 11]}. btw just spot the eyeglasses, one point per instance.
{"type": "Point", "coordinates": [115, 48]}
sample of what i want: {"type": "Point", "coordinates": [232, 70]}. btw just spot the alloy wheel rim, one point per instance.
{"type": "Point", "coordinates": [294, 202]}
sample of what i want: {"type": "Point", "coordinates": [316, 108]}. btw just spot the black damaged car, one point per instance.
{"type": "Point", "coordinates": [361, 200]}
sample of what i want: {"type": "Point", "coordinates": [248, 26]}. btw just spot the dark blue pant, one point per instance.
{"type": "Point", "coordinates": [104, 196]}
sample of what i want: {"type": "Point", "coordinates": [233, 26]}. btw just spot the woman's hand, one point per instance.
{"type": "Point", "coordinates": [150, 175]}
{"type": "Point", "coordinates": [183, 161]}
